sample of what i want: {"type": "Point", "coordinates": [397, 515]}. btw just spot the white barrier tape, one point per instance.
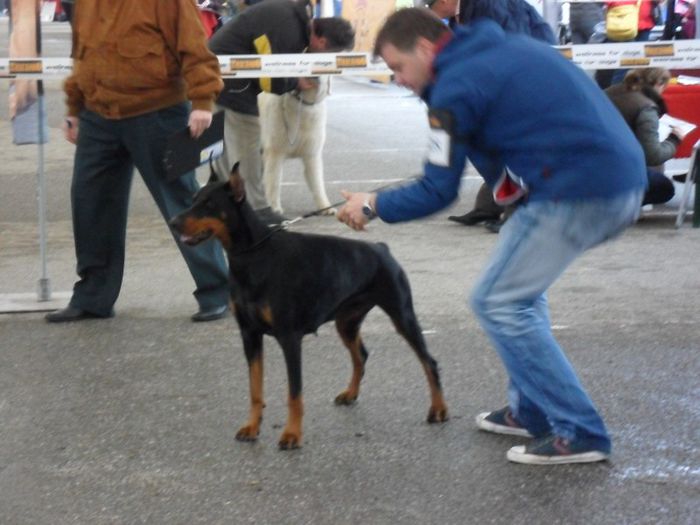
{"type": "Point", "coordinates": [672, 54]}
{"type": "Point", "coordinates": [232, 66]}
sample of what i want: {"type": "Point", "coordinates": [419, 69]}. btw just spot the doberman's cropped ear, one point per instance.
{"type": "Point", "coordinates": [213, 177]}
{"type": "Point", "coordinates": [236, 182]}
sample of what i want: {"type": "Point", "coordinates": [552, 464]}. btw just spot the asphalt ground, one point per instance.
{"type": "Point", "coordinates": [132, 419]}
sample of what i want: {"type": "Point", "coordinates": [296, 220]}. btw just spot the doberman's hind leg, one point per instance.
{"type": "Point", "coordinates": [348, 322]}
{"type": "Point", "coordinates": [252, 344]}
{"type": "Point", "coordinates": [399, 306]}
{"type": "Point", "coordinates": [292, 433]}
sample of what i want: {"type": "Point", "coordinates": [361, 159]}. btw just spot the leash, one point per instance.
{"type": "Point", "coordinates": [286, 224]}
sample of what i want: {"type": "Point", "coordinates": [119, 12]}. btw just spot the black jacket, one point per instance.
{"type": "Point", "coordinates": [270, 27]}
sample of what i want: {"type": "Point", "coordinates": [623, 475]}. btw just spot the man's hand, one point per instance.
{"type": "Point", "coordinates": [70, 129]}
{"type": "Point", "coordinates": [351, 212]}
{"type": "Point", "coordinates": [199, 121]}
{"type": "Point", "coordinates": [678, 132]}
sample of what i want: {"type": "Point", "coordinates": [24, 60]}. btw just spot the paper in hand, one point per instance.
{"type": "Point", "coordinates": [666, 122]}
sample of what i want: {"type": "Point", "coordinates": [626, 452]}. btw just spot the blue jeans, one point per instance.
{"type": "Point", "coordinates": [535, 246]}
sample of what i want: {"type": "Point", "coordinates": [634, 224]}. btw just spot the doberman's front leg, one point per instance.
{"type": "Point", "coordinates": [291, 436]}
{"type": "Point", "coordinates": [252, 345]}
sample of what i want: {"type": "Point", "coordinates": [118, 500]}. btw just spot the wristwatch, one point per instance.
{"type": "Point", "coordinates": [368, 211]}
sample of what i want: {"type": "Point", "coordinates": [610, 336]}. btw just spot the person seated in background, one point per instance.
{"type": "Point", "coordinates": [639, 100]}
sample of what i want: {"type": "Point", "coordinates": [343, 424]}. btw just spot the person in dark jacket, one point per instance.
{"type": "Point", "coordinates": [270, 27]}
{"type": "Point", "coordinates": [639, 100]}
{"type": "Point", "coordinates": [514, 16]}
{"type": "Point", "coordinates": [581, 173]}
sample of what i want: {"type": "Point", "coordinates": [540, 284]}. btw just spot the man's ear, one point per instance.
{"type": "Point", "coordinates": [425, 47]}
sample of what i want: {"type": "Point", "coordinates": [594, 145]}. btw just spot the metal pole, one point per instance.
{"type": "Point", "coordinates": [44, 285]}
{"type": "Point", "coordinates": [44, 289]}
{"type": "Point", "coordinates": [550, 13]}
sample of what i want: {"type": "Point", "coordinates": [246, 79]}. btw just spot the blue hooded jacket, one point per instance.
{"type": "Point", "coordinates": [509, 100]}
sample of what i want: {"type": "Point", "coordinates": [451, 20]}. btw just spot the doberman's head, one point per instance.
{"type": "Point", "coordinates": [219, 210]}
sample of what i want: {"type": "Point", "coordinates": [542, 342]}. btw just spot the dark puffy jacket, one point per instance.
{"type": "Point", "coordinates": [641, 111]}
{"type": "Point", "coordinates": [514, 16]}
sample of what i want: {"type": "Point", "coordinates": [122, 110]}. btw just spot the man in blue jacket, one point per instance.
{"type": "Point", "coordinates": [538, 129]}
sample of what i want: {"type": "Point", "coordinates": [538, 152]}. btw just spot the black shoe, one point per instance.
{"type": "Point", "coordinates": [473, 217]}
{"type": "Point", "coordinates": [210, 314]}
{"type": "Point", "coordinates": [494, 226]}
{"type": "Point", "coordinates": [71, 313]}
{"type": "Point", "coordinates": [270, 216]}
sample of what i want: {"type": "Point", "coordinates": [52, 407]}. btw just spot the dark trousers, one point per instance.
{"type": "Point", "coordinates": [660, 188]}
{"type": "Point", "coordinates": [107, 151]}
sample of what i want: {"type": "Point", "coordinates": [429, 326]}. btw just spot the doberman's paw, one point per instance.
{"type": "Point", "coordinates": [438, 415]}
{"type": "Point", "coordinates": [289, 441]}
{"type": "Point", "coordinates": [345, 398]}
{"type": "Point", "coordinates": [247, 433]}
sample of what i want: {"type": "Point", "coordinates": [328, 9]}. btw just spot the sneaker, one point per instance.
{"type": "Point", "coordinates": [501, 422]}
{"type": "Point", "coordinates": [554, 450]}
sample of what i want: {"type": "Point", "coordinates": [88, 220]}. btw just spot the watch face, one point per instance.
{"type": "Point", "coordinates": [367, 211]}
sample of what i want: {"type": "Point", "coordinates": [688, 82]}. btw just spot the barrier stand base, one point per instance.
{"type": "Point", "coordinates": [17, 303]}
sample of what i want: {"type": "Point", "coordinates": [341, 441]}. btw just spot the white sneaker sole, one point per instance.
{"type": "Point", "coordinates": [486, 425]}
{"type": "Point", "coordinates": [518, 455]}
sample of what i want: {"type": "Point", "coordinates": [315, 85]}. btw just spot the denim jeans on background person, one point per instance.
{"type": "Point", "coordinates": [534, 248]}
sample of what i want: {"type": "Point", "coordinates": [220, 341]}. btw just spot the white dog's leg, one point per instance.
{"type": "Point", "coordinates": [272, 177]}
{"type": "Point", "coordinates": [313, 172]}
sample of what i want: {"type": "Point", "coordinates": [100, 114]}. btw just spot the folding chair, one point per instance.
{"type": "Point", "coordinates": [690, 179]}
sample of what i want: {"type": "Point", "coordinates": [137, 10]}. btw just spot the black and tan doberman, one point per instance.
{"type": "Point", "coordinates": [287, 284]}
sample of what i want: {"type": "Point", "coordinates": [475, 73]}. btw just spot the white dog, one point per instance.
{"type": "Point", "coordinates": [293, 125]}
